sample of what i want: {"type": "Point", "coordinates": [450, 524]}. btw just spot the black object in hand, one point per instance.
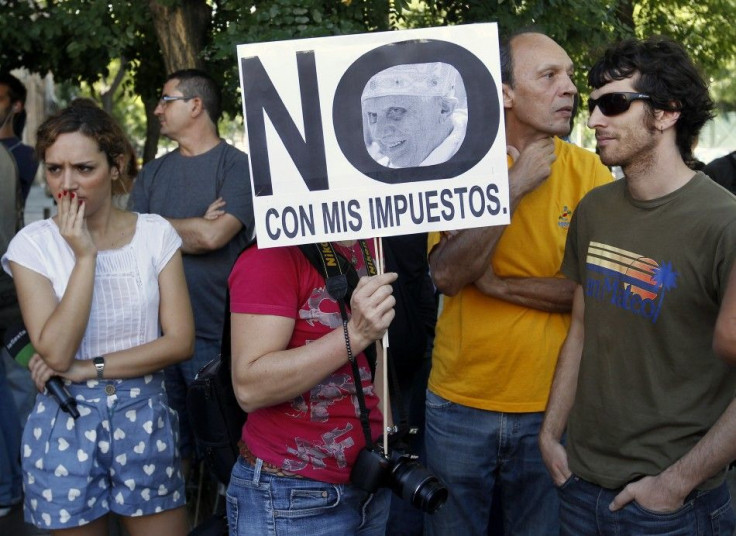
{"type": "Point", "coordinates": [18, 344]}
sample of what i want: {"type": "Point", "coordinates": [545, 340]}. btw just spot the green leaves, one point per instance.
{"type": "Point", "coordinates": [78, 39]}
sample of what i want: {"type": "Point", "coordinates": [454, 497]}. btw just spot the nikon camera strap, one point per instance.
{"type": "Point", "coordinates": [341, 279]}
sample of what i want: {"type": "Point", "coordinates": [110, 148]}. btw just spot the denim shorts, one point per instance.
{"type": "Point", "coordinates": [119, 456]}
{"type": "Point", "coordinates": [262, 504]}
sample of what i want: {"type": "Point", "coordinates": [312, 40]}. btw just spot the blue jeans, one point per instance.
{"type": "Point", "coordinates": [178, 377]}
{"type": "Point", "coordinates": [584, 510]}
{"type": "Point", "coordinates": [262, 504]}
{"type": "Point", "coordinates": [10, 431]}
{"type": "Point", "coordinates": [471, 451]}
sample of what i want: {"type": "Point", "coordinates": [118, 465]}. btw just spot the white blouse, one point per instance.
{"type": "Point", "coordinates": [125, 300]}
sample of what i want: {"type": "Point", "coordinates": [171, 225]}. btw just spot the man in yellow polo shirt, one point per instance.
{"type": "Point", "coordinates": [507, 309]}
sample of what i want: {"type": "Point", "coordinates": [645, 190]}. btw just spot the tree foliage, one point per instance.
{"type": "Point", "coordinates": [78, 40]}
{"type": "Point", "coordinates": [582, 26]}
{"type": "Point", "coordinates": [585, 27]}
{"type": "Point", "coordinates": [272, 20]}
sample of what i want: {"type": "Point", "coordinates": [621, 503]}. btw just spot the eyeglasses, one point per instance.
{"type": "Point", "coordinates": [612, 104]}
{"type": "Point", "coordinates": [166, 99]}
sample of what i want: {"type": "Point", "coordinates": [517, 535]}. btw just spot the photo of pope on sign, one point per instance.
{"type": "Point", "coordinates": [412, 115]}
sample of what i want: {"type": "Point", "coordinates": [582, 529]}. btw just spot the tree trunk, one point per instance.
{"type": "Point", "coordinates": [108, 96]}
{"type": "Point", "coordinates": [625, 14]}
{"type": "Point", "coordinates": [181, 29]}
{"type": "Point", "coordinates": [153, 130]}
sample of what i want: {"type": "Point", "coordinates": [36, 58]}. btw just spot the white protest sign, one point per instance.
{"type": "Point", "coordinates": [375, 134]}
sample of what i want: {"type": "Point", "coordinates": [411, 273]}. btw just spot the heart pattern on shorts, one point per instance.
{"type": "Point", "coordinates": [134, 444]}
{"type": "Point", "coordinates": [61, 471]}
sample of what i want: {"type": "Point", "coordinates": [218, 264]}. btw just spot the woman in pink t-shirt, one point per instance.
{"type": "Point", "coordinates": [291, 373]}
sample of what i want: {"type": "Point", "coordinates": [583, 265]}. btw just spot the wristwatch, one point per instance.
{"type": "Point", "coordinates": [99, 363]}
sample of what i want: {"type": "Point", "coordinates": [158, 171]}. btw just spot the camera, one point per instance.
{"type": "Point", "coordinates": [402, 474]}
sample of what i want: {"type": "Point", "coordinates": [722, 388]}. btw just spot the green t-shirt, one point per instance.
{"type": "Point", "coordinates": [653, 274]}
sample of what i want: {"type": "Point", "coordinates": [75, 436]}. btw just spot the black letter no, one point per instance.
{"type": "Point", "coordinates": [259, 96]}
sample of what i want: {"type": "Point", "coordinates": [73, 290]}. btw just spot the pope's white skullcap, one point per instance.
{"type": "Point", "coordinates": [413, 79]}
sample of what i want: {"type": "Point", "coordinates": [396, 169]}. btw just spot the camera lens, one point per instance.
{"type": "Point", "coordinates": [415, 484]}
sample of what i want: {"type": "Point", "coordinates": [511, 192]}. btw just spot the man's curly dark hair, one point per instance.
{"type": "Point", "coordinates": [668, 75]}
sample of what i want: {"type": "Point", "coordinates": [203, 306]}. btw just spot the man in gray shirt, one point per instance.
{"type": "Point", "coordinates": [203, 189]}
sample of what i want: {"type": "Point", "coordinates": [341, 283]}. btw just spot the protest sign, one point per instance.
{"type": "Point", "coordinates": [375, 134]}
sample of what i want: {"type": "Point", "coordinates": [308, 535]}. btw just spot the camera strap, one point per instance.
{"type": "Point", "coordinates": [341, 278]}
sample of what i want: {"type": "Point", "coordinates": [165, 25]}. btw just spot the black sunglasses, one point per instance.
{"type": "Point", "coordinates": [615, 103]}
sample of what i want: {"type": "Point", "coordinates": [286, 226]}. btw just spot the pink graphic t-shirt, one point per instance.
{"type": "Point", "coordinates": [317, 434]}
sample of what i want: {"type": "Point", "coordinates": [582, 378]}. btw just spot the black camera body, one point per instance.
{"type": "Point", "coordinates": [403, 474]}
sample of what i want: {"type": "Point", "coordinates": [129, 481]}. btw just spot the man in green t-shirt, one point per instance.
{"type": "Point", "coordinates": [648, 405]}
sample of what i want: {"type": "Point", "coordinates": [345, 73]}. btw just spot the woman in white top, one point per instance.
{"type": "Point", "coordinates": [104, 299]}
